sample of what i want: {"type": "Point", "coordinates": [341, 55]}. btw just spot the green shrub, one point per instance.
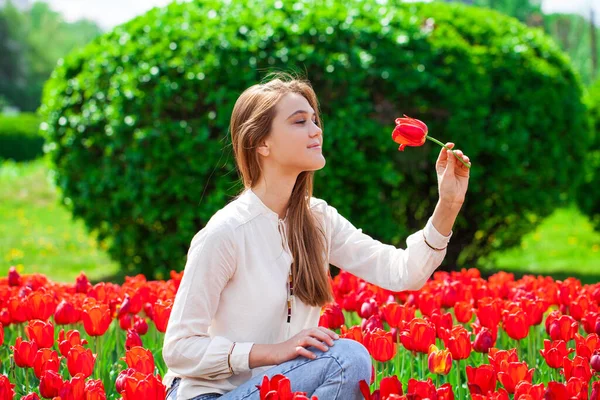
{"type": "Point", "coordinates": [588, 196]}
{"type": "Point", "coordinates": [138, 120]}
{"type": "Point", "coordinates": [20, 138]}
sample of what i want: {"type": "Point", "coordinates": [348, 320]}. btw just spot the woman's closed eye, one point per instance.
{"type": "Point", "coordinates": [303, 121]}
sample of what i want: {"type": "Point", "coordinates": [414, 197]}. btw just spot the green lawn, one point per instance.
{"type": "Point", "coordinates": [37, 234]}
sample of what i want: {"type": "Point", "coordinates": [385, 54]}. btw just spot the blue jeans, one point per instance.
{"type": "Point", "coordinates": [333, 375]}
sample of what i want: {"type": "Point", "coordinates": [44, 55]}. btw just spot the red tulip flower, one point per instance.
{"type": "Point", "coordinates": [380, 344]}
{"type": "Point", "coordinates": [6, 388]}
{"type": "Point", "coordinates": [586, 346]}
{"type": "Point", "coordinates": [397, 315]}
{"type": "Point", "coordinates": [41, 304]}
{"type": "Point", "coordinates": [45, 359]}
{"type": "Point", "coordinates": [463, 311]}
{"type": "Point", "coordinates": [140, 386]}
{"type": "Point", "coordinates": [24, 353]}
{"type": "Point", "coordinates": [68, 340]}
{"type": "Point", "coordinates": [40, 332]}
{"type": "Point", "coordinates": [414, 133]}
{"type": "Point", "coordinates": [574, 389]}
{"type": "Point", "coordinates": [421, 389]}
{"type": "Point", "coordinates": [94, 390]}
{"type": "Point", "coordinates": [390, 385]}
{"type": "Point", "coordinates": [439, 361]}
{"type": "Point", "coordinates": [458, 341]}
{"type": "Point", "coordinates": [96, 319]}
{"type": "Point", "coordinates": [418, 336]}
{"type": "Point", "coordinates": [579, 367]}
{"type": "Point", "coordinates": [161, 311]}
{"type": "Point", "coordinates": [500, 358]}
{"type": "Point", "coordinates": [554, 352]}
{"type": "Point", "coordinates": [140, 359]}
{"type": "Point", "coordinates": [73, 389]}
{"type": "Point", "coordinates": [353, 333]}
{"type": "Point", "coordinates": [132, 340]}
{"type": "Point", "coordinates": [481, 380]}
{"type": "Point", "coordinates": [331, 316]}
{"type": "Point", "coordinates": [563, 328]}
{"type": "Point", "coordinates": [484, 340]}
{"type": "Point", "coordinates": [50, 384]}
{"type": "Point", "coordinates": [279, 388]}
{"type": "Point", "coordinates": [489, 312]}
{"type": "Point", "coordinates": [515, 372]}
{"type": "Point", "coordinates": [80, 361]}
{"type": "Point", "coordinates": [140, 325]}
{"type": "Point", "coordinates": [516, 324]}
{"type": "Point", "coordinates": [66, 313]}
{"type": "Point", "coordinates": [529, 391]}
{"type": "Point", "coordinates": [30, 396]}
{"type": "Point", "coordinates": [14, 279]}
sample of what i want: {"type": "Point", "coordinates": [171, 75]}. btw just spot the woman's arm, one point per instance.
{"type": "Point", "coordinates": [444, 216]}
{"type": "Point", "coordinates": [188, 349]}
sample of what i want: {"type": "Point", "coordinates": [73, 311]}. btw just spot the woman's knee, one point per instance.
{"type": "Point", "coordinates": [353, 355]}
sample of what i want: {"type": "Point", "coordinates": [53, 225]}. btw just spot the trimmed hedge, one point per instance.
{"type": "Point", "coordinates": [20, 138]}
{"type": "Point", "coordinates": [588, 197]}
{"type": "Point", "coordinates": [138, 120]}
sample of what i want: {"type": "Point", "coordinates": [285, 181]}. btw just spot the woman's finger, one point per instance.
{"type": "Point", "coordinates": [311, 341]}
{"type": "Point", "coordinates": [322, 336]}
{"type": "Point", "coordinates": [303, 352]}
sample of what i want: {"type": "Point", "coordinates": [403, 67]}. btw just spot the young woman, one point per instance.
{"type": "Point", "coordinates": [256, 275]}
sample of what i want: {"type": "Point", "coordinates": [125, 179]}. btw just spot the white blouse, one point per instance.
{"type": "Point", "coordinates": [234, 288]}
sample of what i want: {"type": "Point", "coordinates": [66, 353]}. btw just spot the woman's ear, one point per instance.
{"type": "Point", "coordinates": [263, 149]}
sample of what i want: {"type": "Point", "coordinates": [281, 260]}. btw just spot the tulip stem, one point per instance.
{"type": "Point", "coordinates": [458, 383]}
{"type": "Point", "coordinates": [446, 147]}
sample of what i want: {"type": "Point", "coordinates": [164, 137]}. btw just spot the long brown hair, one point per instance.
{"type": "Point", "coordinates": [251, 123]}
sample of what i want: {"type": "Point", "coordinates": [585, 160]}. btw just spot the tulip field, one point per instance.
{"type": "Point", "coordinates": [459, 337]}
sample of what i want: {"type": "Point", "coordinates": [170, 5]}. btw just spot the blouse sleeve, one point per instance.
{"type": "Point", "coordinates": [382, 264]}
{"type": "Point", "coordinates": [188, 349]}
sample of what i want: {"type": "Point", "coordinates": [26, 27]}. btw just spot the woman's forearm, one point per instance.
{"type": "Point", "coordinates": [263, 354]}
{"type": "Point", "coordinates": [444, 216]}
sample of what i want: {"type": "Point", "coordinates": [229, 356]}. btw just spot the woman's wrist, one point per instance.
{"type": "Point", "coordinates": [264, 354]}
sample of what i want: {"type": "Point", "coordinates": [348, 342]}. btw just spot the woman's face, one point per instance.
{"type": "Point", "coordinates": [293, 131]}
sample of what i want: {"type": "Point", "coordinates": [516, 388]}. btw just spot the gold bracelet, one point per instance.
{"type": "Point", "coordinates": [426, 242]}
{"type": "Point", "coordinates": [229, 358]}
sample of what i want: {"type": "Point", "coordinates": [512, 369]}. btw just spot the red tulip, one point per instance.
{"type": "Point", "coordinates": [140, 386]}
{"type": "Point", "coordinates": [50, 384]}
{"type": "Point", "coordinates": [409, 132]}
{"type": "Point", "coordinates": [442, 323]}
{"type": "Point", "coordinates": [458, 342]}
{"type": "Point", "coordinates": [30, 396]}
{"type": "Point", "coordinates": [80, 361]}
{"type": "Point", "coordinates": [578, 367]}
{"type": "Point", "coordinates": [484, 340]}
{"type": "Point", "coordinates": [126, 322]}
{"type": "Point", "coordinates": [354, 333]}
{"type": "Point", "coordinates": [45, 359]}
{"type": "Point", "coordinates": [40, 332]}
{"type": "Point", "coordinates": [14, 279]}
{"type": "Point", "coordinates": [140, 325]}
{"type": "Point", "coordinates": [535, 310]}
{"type": "Point", "coordinates": [331, 316]}
{"type": "Point", "coordinates": [120, 382]}
{"type": "Point", "coordinates": [445, 392]}
{"type": "Point", "coordinates": [133, 339]}
{"type": "Point", "coordinates": [24, 353]}
{"type": "Point", "coordinates": [574, 389]}
{"type": "Point", "coordinates": [586, 346]}
{"type": "Point", "coordinates": [140, 359]}
{"type": "Point", "coordinates": [94, 390]}
{"type": "Point", "coordinates": [6, 388]}
{"type": "Point", "coordinates": [380, 344]}
{"type": "Point", "coordinates": [161, 311]}
{"type": "Point", "coordinates": [418, 336]}
{"type": "Point", "coordinates": [563, 328]}
{"type": "Point", "coordinates": [488, 312]}
{"type": "Point", "coordinates": [421, 389]}
{"type": "Point", "coordinates": [526, 389]}
{"type": "Point", "coordinates": [73, 389]}
{"type": "Point", "coordinates": [554, 352]}
{"type": "Point", "coordinates": [41, 304]}
{"type": "Point", "coordinates": [515, 373]}
{"type": "Point", "coordinates": [481, 380]}
{"type": "Point", "coordinates": [390, 385]}
{"type": "Point", "coordinates": [463, 311]}
{"type": "Point", "coordinates": [68, 340]}
{"type": "Point", "coordinates": [82, 284]}
{"type": "Point", "coordinates": [500, 358]}
{"type": "Point", "coordinates": [66, 313]}
{"type": "Point", "coordinates": [516, 324]}
{"type": "Point", "coordinates": [439, 361]}
{"type": "Point", "coordinates": [595, 362]}
{"type": "Point", "coordinates": [397, 315]}
{"type": "Point", "coordinates": [96, 319]}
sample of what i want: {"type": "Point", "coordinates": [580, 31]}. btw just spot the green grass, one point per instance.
{"type": "Point", "coordinates": [37, 233]}
{"type": "Point", "coordinates": [564, 244]}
